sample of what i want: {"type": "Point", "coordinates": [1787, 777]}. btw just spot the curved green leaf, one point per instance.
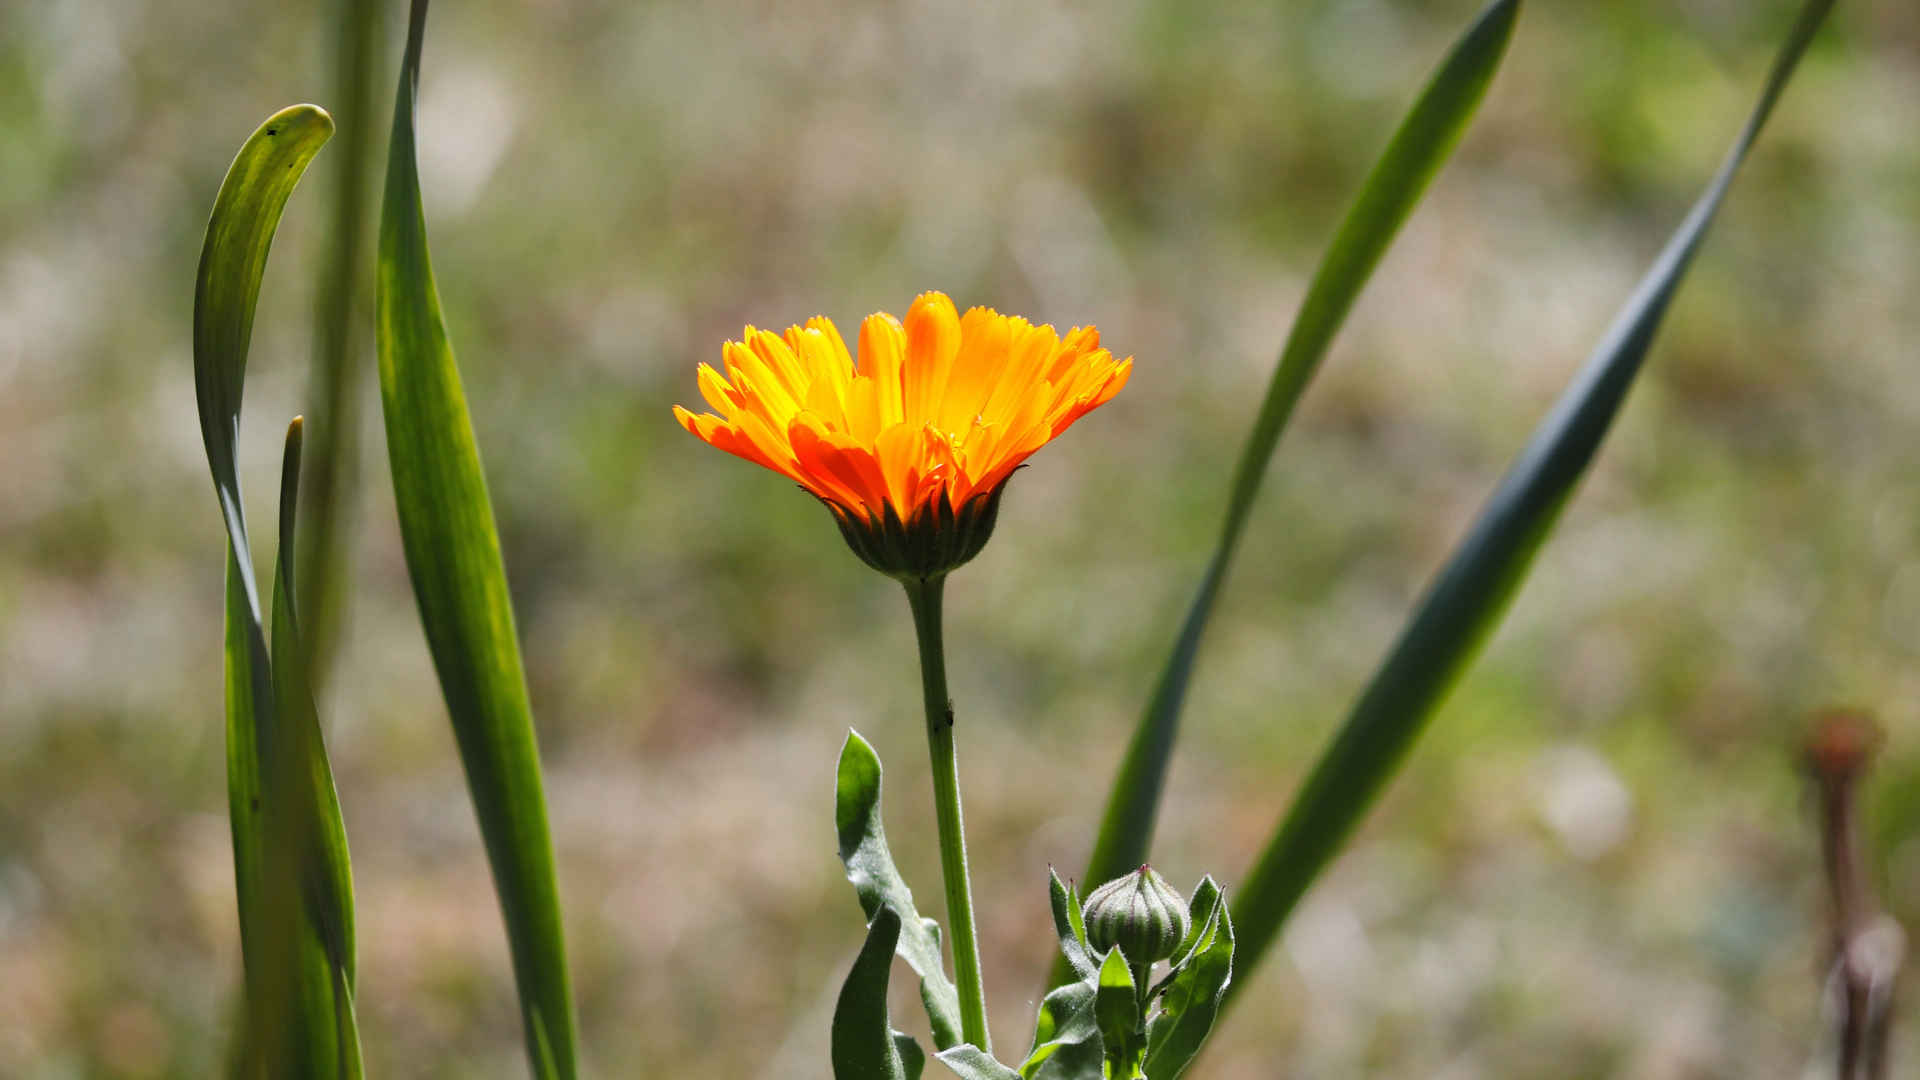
{"type": "Point", "coordinates": [459, 579]}
{"type": "Point", "coordinates": [877, 881]}
{"type": "Point", "coordinates": [1066, 1036]}
{"type": "Point", "coordinates": [863, 1042]}
{"type": "Point", "coordinates": [1471, 592]}
{"type": "Point", "coordinates": [1418, 148]}
{"type": "Point", "coordinates": [292, 880]}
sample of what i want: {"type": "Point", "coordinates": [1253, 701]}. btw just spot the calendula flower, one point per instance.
{"type": "Point", "coordinates": [911, 446]}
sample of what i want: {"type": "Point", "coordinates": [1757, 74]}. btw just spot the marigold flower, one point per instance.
{"type": "Point", "coordinates": [911, 447]}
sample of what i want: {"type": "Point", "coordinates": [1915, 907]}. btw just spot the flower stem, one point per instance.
{"type": "Point", "coordinates": [923, 594]}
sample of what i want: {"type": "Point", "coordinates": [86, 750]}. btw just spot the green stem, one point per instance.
{"type": "Point", "coordinates": [923, 594]}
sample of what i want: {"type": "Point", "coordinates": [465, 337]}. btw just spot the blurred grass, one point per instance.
{"type": "Point", "coordinates": [1599, 862]}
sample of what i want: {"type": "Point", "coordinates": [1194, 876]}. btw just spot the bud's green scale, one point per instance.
{"type": "Point", "coordinates": [1139, 912]}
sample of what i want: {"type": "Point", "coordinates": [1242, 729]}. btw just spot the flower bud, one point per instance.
{"type": "Point", "coordinates": [1142, 914]}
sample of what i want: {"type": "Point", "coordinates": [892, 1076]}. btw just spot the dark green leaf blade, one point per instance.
{"type": "Point", "coordinates": [1066, 1040]}
{"type": "Point", "coordinates": [1419, 147]}
{"type": "Point", "coordinates": [459, 580]}
{"type": "Point", "coordinates": [913, 1060]}
{"type": "Point", "coordinates": [877, 881]}
{"type": "Point", "coordinates": [863, 1046]}
{"type": "Point", "coordinates": [1472, 591]}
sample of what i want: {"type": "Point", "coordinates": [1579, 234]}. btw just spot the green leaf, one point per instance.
{"type": "Point", "coordinates": [1471, 592]}
{"type": "Point", "coordinates": [1116, 1009]}
{"type": "Point", "coordinates": [969, 1062]}
{"type": "Point", "coordinates": [339, 340]}
{"type": "Point", "coordinates": [877, 881]}
{"type": "Point", "coordinates": [1422, 143]}
{"type": "Point", "coordinates": [1065, 1021]}
{"type": "Point", "coordinates": [1206, 898]}
{"type": "Point", "coordinates": [1193, 998]}
{"type": "Point", "coordinates": [293, 886]}
{"type": "Point", "coordinates": [1069, 923]}
{"type": "Point", "coordinates": [309, 894]}
{"type": "Point", "coordinates": [863, 1041]}
{"type": "Point", "coordinates": [460, 582]}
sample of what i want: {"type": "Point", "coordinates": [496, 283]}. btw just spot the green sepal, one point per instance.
{"type": "Point", "coordinates": [935, 541]}
{"type": "Point", "coordinates": [863, 1040]}
{"type": "Point", "coordinates": [877, 881]}
{"type": "Point", "coordinates": [1191, 1001]}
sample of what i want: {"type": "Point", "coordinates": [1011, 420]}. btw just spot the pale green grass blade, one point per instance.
{"type": "Point", "coordinates": [331, 484]}
{"type": "Point", "coordinates": [459, 579]}
{"type": "Point", "coordinates": [1472, 591]}
{"type": "Point", "coordinates": [1419, 147]}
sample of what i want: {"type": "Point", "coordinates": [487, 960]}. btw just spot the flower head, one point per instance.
{"type": "Point", "coordinates": [911, 446]}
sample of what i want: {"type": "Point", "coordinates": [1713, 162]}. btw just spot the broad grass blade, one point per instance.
{"type": "Point", "coordinates": [339, 341]}
{"type": "Point", "coordinates": [1425, 138]}
{"type": "Point", "coordinates": [1472, 591]}
{"type": "Point", "coordinates": [460, 581]}
{"type": "Point", "coordinates": [290, 860]}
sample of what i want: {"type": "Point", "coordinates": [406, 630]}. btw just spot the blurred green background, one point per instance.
{"type": "Point", "coordinates": [1598, 863]}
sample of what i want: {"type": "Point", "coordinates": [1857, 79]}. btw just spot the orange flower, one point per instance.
{"type": "Point", "coordinates": [913, 445]}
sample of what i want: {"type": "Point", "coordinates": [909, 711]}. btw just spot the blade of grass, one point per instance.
{"type": "Point", "coordinates": [297, 939]}
{"type": "Point", "coordinates": [308, 892]}
{"type": "Point", "coordinates": [1419, 147]}
{"type": "Point", "coordinates": [339, 343]}
{"type": "Point", "coordinates": [1472, 591]}
{"type": "Point", "coordinates": [459, 579]}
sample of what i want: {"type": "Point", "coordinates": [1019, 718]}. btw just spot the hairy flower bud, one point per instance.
{"type": "Point", "coordinates": [1142, 914]}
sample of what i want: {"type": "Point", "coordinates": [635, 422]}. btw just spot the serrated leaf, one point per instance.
{"type": "Point", "coordinates": [1471, 592]}
{"type": "Point", "coordinates": [863, 1039]}
{"type": "Point", "coordinates": [877, 882]}
{"type": "Point", "coordinates": [1421, 144]}
{"type": "Point", "coordinates": [1192, 1000]}
{"type": "Point", "coordinates": [460, 582]}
